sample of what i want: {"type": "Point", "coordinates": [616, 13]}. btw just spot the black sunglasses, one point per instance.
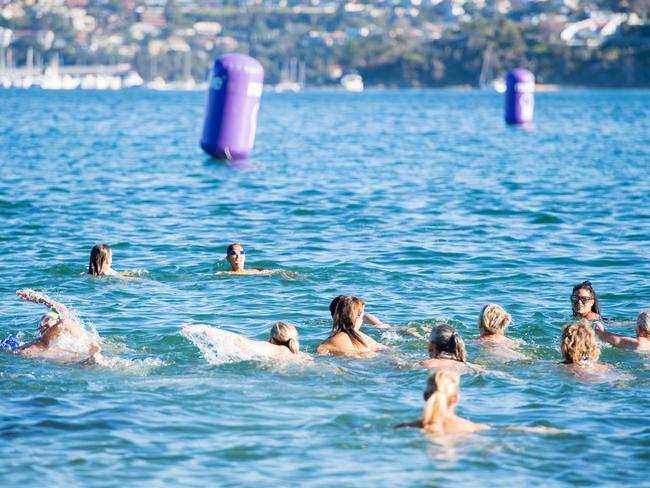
{"type": "Point", "coordinates": [578, 298]}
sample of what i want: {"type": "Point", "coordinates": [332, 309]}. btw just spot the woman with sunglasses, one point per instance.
{"type": "Point", "coordinates": [584, 302]}
{"type": "Point", "coordinates": [236, 256]}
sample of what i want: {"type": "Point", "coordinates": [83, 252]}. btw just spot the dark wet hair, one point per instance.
{"type": "Point", "coordinates": [446, 339]}
{"type": "Point", "coordinates": [334, 303]}
{"type": "Point", "coordinates": [98, 257]}
{"type": "Point", "coordinates": [345, 315]}
{"type": "Point", "coordinates": [587, 286]}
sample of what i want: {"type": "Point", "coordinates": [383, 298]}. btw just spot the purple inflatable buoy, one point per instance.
{"type": "Point", "coordinates": [233, 102]}
{"type": "Point", "coordinates": [520, 96]}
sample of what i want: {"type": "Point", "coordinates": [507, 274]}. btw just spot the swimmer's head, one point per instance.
{"type": "Point", "coordinates": [584, 300]}
{"type": "Point", "coordinates": [348, 317]}
{"type": "Point", "coordinates": [493, 319]}
{"type": "Point", "coordinates": [578, 342]}
{"type": "Point", "coordinates": [643, 324]}
{"type": "Point", "coordinates": [236, 256]}
{"type": "Point", "coordinates": [445, 339]}
{"type": "Point", "coordinates": [285, 334]}
{"type": "Point", "coordinates": [441, 395]}
{"type": "Point", "coordinates": [101, 257]}
{"type": "Point", "coordinates": [48, 320]}
{"type": "Point", "coordinates": [334, 303]}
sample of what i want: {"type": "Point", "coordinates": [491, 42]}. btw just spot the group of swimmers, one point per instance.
{"type": "Point", "coordinates": [446, 349]}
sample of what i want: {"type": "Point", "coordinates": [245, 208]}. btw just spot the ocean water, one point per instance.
{"type": "Point", "coordinates": [423, 203]}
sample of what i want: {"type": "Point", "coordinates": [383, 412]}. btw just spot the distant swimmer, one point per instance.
{"type": "Point", "coordinates": [101, 258]}
{"type": "Point", "coordinates": [60, 338]}
{"type": "Point", "coordinates": [439, 415]}
{"type": "Point", "coordinates": [493, 323]}
{"type": "Point", "coordinates": [580, 348]}
{"type": "Point", "coordinates": [236, 256]}
{"type": "Point", "coordinates": [446, 349]}
{"type": "Point", "coordinates": [640, 343]}
{"type": "Point", "coordinates": [584, 302]}
{"type": "Point", "coordinates": [282, 344]}
{"type": "Point", "coordinates": [370, 319]}
{"type": "Point", "coordinates": [346, 337]}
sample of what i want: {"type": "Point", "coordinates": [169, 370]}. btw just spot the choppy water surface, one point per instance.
{"type": "Point", "coordinates": [421, 202]}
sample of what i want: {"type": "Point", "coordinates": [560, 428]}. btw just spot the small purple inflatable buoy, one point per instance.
{"type": "Point", "coordinates": [520, 96]}
{"type": "Point", "coordinates": [234, 95]}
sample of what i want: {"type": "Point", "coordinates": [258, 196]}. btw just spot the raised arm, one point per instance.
{"type": "Point", "coordinates": [615, 340]}
{"type": "Point", "coordinates": [30, 295]}
{"type": "Point", "coordinates": [370, 319]}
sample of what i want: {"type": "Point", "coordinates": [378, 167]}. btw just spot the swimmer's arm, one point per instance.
{"type": "Point", "coordinates": [615, 340]}
{"type": "Point", "coordinates": [537, 429]}
{"type": "Point", "coordinates": [370, 319]}
{"type": "Point", "coordinates": [30, 295]}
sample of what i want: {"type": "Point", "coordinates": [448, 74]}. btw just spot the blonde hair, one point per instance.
{"type": "Point", "coordinates": [347, 311]}
{"type": "Point", "coordinates": [285, 334]}
{"type": "Point", "coordinates": [643, 323]}
{"type": "Point", "coordinates": [446, 339]}
{"type": "Point", "coordinates": [578, 342]}
{"type": "Point", "coordinates": [494, 319]}
{"type": "Point", "coordinates": [442, 387]}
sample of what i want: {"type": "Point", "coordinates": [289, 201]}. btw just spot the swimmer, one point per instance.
{"type": "Point", "coordinates": [439, 416]}
{"type": "Point", "coordinates": [236, 256]}
{"type": "Point", "coordinates": [370, 319]}
{"type": "Point", "coordinates": [101, 257]}
{"type": "Point", "coordinates": [60, 338]}
{"type": "Point", "coordinates": [579, 347]}
{"type": "Point", "coordinates": [640, 343]}
{"type": "Point", "coordinates": [282, 344]}
{"type": "Point", "coordinates": [446, 349]}
{"type": "Point", "coordinates": [584, 302]}
{"type": "Point", "coordinates": [492, 324]}
{"type": "Point", "coordinates": [346, 338]}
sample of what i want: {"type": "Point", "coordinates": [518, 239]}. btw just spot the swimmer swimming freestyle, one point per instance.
{"type": "Point", "coordinates": [60, 339]}
{"type": "Point", "coordinates": [282, 344]}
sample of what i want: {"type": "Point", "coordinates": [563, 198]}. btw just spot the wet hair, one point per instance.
{"type": "Point", "coordinates": [99, 256]}
{"type": "Point", "coordinates": [494, 319]}
{"type": "Point", "coordinates": [334, 303]}
{"type": "Point", "coordinates": [442, 386]}
{"type": "Point", "coordinates": [232, 247]}
{"type": "Point", "coordinates": [643, 323]}
{"type": "Point", "coordinates": [578, 342]}
{"type": "Point", "coordinates": [446, 339]}
{"type": "Point", "coordinates": [587, 286]}
{"type": "Point", "coordinates": [285, 334]}
{"type": "Point", "coordinates": [346, 312]}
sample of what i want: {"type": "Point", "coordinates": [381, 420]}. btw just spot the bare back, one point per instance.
{"type": "Point", "coordinates": [341, 344]}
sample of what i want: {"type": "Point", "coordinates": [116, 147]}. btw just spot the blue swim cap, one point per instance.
{"type": "Point", "coordinates": [10, 344]}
